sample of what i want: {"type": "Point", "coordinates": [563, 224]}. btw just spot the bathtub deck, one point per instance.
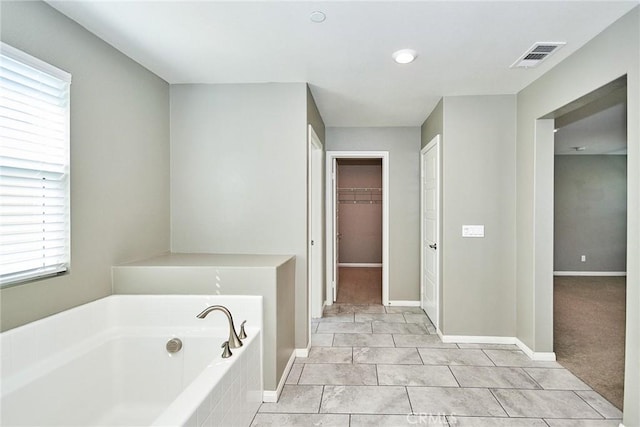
{"type": "Point", "coordinates": [129, 414]}
{"type": "Point", "coordinates": [211, 260]}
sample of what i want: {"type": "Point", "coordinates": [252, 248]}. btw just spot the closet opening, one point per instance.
{"type": "Point", "coordinates": [357, 228]}
{"type": "Point", "coordinates": [359, 231]}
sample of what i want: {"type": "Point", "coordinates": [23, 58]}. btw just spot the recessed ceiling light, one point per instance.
{"type": "Point", "coordinates": [317, 17]}
{"type": "Point", "coordinates": [404, 56]}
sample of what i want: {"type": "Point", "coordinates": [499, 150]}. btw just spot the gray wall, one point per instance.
{"type": "Point", "coordinates": [403, 145]}
{"type": "Point", "coordinates": [478, 182]}
{"type": "Point", "coordinates": [433, 125]}
{"type": "Point", "coordinates": [313, 116]}
{"type": "Point", "coordinates": [590, 203]}
{"type": "Point", "coordinates": [239, 174]}
{"type": "Point", "coordinates": [119, 160]}
{"type": "Point", "coordinates": [613, 53]}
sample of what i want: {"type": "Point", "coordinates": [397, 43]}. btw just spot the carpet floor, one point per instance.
{"type": "Point", "coordinates": [589, 331]}
{"type": "Point", "coordinates": [359, 285]}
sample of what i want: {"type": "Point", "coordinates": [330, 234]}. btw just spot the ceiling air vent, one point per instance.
{"type": "Point", "coordinates": [536, 54]}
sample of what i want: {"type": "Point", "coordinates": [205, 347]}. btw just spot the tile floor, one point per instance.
{"type": "Point", "coordinates": [371, 365]}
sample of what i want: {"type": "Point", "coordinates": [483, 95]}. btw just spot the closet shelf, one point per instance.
{"type": "Point", "coordinates": [353, 195]}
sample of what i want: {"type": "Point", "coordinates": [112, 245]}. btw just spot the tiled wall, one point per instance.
{"type": "Point", "coordinates": [236, 399]}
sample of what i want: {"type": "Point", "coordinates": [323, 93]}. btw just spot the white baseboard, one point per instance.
{"type": "Point", "coordinates": [476, 339]}
{"type": "Point", "coordinates": [405, 303]}
{"type": "Point", "coordinates": [590, 273]}
{"type": "Point", "coordinates": [274, 395]}
{"type": "Point", "coordinates": [269, 396]}
{"type": "Point", "coordinates": [303, 352]}
{"type": "Point", "coordinates": [547, 356]}
{"type": "Point", "coordinates": [359, 264]}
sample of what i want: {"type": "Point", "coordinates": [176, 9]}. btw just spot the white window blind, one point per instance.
{"type": "Point", "coordinates": [34, 168]}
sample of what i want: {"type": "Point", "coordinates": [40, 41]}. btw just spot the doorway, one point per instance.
{"type": "Point", "coordinates": [359, 231]}
{"type": "Point", "coordinates": [357, 227]}
{"type": "Point", "coordinates": [590, 240]}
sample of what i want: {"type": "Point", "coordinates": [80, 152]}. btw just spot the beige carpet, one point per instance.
{"type": "Point", "coordinates": [589, 331]}
{"type": "Point", "coordinates": [359, 285]}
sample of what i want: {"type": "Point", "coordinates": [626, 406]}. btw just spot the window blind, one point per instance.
{"type": "Point", "coordinates": [34, 168]}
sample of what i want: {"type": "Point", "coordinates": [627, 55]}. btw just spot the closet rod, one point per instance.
{"type": "Point", "coordinates": [368, 202]}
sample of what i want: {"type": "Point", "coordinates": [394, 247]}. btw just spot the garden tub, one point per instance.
{"type": "Point", "coordinates": [111, 363]}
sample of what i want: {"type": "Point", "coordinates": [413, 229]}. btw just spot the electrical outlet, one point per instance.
{"type": "Point", "coordinates": [583, 258]}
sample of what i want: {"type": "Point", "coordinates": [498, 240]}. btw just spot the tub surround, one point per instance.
{"type": "Point", "coordinates": [270, 276]}
{"type": "Point", "coordinates": [138, 381]}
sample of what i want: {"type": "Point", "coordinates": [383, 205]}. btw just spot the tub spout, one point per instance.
{"type": "Point", "coordinates": [234, 340]}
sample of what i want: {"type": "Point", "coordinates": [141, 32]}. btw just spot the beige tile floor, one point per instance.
{"type": "Point", "coordinates": [371, 365]}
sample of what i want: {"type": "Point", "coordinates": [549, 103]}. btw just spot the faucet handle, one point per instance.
{"type": "Point", "coordinates": [243, 334]}
{"type": "Point", "coordinates": [227, 351]}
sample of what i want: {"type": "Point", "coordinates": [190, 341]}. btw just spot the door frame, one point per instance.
{"type": "Point", "coordinates": [434, 143]}
{"type": "Point", "coordinates": [315, 224]}
{"type": "Point", "coordinates": [331, 202]}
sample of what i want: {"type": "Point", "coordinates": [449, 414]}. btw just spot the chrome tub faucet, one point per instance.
{"type": "Point", "coordinates": [234, 340]}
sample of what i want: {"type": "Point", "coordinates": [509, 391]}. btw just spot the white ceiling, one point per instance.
{"type": "Point", "coordinates": [604, 132]}
{"type": "Point", "coordinates": [464, 47]}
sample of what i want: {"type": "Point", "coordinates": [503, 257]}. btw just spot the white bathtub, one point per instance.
{"type": "Point", "coordinates": [105, 364]}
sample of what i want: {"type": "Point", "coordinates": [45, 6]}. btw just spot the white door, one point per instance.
{"type": "Point", "coordinates": [430, 196]}
{"type": "Point", "coordinates": [336, 228]}
{"type": "Point", "coordinates": [316, 228]}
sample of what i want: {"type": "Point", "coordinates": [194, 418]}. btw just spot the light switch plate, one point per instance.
{"type": "Point", "coordinates": [473, 231]}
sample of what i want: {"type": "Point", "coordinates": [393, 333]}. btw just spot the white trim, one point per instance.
{"type": "Point", "coordinates": [34, 62]}
{"type": "Point", "coordinates": [548, 356]}
{"type": "Point", "coordinates": [590, 273]}
{"type": "Point", "coordinates": [269, 396]}
{"type": "Point", "coordinates": [330, 158]}
{"type": "Point", "coordinates": [401, 303]}
{"type": "Point", "coordinates": [477, 339]}
{"type": "Point", "coordinates": [359, 264]}
{"type": "Point", "coordinates": [303, 352]}
{"type": "Point", "coordinates": [274, 395]}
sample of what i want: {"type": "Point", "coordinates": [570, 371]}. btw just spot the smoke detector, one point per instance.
{"type": "Point", "coordinates": [317, 17]}
{"type": "Point", "coordinates": [536, 54]}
